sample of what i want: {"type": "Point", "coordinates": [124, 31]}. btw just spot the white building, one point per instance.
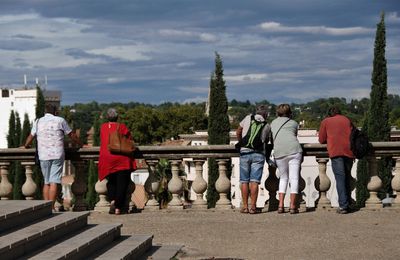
{"type": "Point", "coordinates": [22, 101]}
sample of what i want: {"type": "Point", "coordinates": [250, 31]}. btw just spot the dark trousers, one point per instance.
{"type": "Point", "coordinates": [341, 167]}
{"type": "Point", "coordinates": [117, 187]}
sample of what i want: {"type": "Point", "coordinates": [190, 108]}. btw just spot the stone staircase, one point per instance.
{"type": "Point", "coordinates": [29, 230]}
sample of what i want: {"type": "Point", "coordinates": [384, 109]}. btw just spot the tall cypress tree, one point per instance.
{"type": "Point", "coordinates": [11, 131]}
{"type": "Point", "coordinates": [19, 173]}
{"type": "Point", "coordinates": [378, 112]}
{"type": "Point", "coordinates": [218, 125]}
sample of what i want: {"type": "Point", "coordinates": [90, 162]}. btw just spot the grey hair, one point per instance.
{"type": "Point", "coordinates": [112, 114]}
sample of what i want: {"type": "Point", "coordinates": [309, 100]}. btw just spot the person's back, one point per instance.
{"type": "Point", "coordinates": [335, 132]}
{"type": "Point", "coordinates": [50, 135]}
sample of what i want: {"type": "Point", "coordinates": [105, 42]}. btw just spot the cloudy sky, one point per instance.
{"type": "Point", "coordinates": [163, 50]}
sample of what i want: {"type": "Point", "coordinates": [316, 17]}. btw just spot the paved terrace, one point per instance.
{"type": "Point", "coordinates": [228, 234]}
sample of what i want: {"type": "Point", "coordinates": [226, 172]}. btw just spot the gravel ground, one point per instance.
{"type": "Point", "coordinates": [323, 234]}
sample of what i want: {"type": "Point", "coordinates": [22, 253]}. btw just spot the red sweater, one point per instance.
{"type": "Point", "coordinates": [111, 163]}
{"type": "Point", "coordinates": [335, 132]}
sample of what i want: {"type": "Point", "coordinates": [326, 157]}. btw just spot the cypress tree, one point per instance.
{"type": "Point", "coordinates": [11, 144]}
{"type": "Point", "coordinates": [19, 173]}
{"type": "Point", "coordinates": [378, 119]}
{"type": "Point", "coordinates": [218, 125]}
{"type": "Point", "coordinates": [11, 131]}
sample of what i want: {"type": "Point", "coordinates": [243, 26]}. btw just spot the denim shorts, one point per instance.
{"type": "Point", "coordinates": [52, 170]}
{"type": "Point", "coordinates": [251, 167]}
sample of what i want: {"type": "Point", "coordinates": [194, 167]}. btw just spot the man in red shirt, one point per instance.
{"type": "Point", "coordinates": [335, 131]}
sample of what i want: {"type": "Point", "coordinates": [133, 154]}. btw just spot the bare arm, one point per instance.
{"type": "Point", "coordinates": [28, 142]}
{"type": "Point", "coordinates": [75, 138]}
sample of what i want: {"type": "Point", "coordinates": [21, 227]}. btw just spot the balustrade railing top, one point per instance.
{"type": "Point", "coordinates": [201, 151]}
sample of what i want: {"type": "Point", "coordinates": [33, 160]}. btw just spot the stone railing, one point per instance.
{"type": "Point", "coordinates": [199, 154]}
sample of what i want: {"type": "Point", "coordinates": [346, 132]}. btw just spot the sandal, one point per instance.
{"type": "Point", "coordinates": [244, 210]}
{"type": "Point", "coordinates": [281, 210]}
{"type": "Point", "coordinates": [254, 211]}
{"type": "Point", "coordinates": [293, 211]}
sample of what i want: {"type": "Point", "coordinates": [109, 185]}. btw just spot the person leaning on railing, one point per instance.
{"type": "Point", "coordinates": [49, 131]}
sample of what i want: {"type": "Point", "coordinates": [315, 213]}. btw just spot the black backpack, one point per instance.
{"type": "Point", "coordinates": [359, 143]}
{"type": "Point", "coordinates": [252, 139]}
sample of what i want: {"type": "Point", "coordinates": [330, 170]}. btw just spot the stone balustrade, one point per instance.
{"type": "Point", "coordinates": [199, 155]}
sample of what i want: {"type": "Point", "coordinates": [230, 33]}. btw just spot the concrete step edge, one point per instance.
{"type": "Point", "coordinates": [30, 238]}
{"type": "Point", "coordinates": [19, 213]}
{"type": "Point", "coordinates": [131, 248]}
{"type": "Point", "coordinates": [83, 244]}
{"type": "Point", "coordinates": [161, 252]}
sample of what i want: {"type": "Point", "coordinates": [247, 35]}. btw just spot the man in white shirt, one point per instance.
{"type": "Point", "coordinates": [49, 131]}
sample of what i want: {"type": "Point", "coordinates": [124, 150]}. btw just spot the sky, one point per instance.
{"type": "Point", "coordinates": [159, 51]}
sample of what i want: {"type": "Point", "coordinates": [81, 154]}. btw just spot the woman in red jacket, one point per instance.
{"type": "Point", "coordinates": [116, 169]}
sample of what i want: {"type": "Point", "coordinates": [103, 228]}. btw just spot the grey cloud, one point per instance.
{"type": "Point", "coordinates": [23, 45]}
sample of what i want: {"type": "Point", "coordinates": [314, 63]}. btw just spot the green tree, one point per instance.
{"type": "Point", "coordinates": [378, 113]}
{"type": "Point", "coordinates": [218, 125]}
{"type": "Point", "coordinates": [19, 174]}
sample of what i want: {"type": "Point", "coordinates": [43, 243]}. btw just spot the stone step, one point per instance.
{"type": "Point", "coordinates": [30, 238]}
{"type": "Point", "coordinates": [13, 215]}
{"type": "Point", "coordinates": [131, 247]}
{"type": "Point", "coordinates": [83, 244]}
{"type": "Point", "coordinates": [161, 252]}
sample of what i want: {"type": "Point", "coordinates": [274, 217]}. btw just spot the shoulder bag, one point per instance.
{"type": "Point", "coordinates": [270, 146]}
{"type": "Point", "coordinates": [120, 144]}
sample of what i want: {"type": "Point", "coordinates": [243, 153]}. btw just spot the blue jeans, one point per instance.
{"type": "Point", "coordinates": [341, 167]}
{"type": "Point", "coordinates": [251, 167]}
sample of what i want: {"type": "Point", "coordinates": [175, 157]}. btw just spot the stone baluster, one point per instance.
{"type": "Point", "coordinates": [29, 187]}
{"type": "Point", "coordinates": [223, 185]}
{"type": "Point", "coordinates": [272, 186]}
{"type": "Point", "coordinates": [129, 205]}
{"type": "Point", "coordinates": [199, 186]}
{"type": "Point", "coordinates": [79, 186]}
{"type": "Point", "coordinates": [103, 205]}
{"type": "Point", "coordinates": [374, 185]}
{"type": "Point", "coordinates": [175, 186]}
{"type": "Point", "coordinates": [396, 183]}
{"type": "Point", "coordinates": [322, 184]}
{"type": "Point", "coordinates": [151, 186]}
{"type": "Point", "coordinates": [300, 203]}
{"type": "Point", "coordinates": [5, 185]}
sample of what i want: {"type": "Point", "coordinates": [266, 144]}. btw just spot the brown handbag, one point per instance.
{"type": "Point", "coordinates": [120, 144]}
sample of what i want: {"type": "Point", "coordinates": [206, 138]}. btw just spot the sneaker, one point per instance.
{"type": "Point", "coordinates": [342, 211]}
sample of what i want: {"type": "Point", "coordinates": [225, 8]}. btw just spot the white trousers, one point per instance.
{"type": "Point", "coordinates": [289, 170]}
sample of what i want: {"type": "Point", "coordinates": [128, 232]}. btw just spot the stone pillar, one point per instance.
{"type": "Point", "coordinates": [272, 186]}
{"type": "Point", "coordinates": [79, 186]}
{"type": "Point", "coordinates": [199, 185]}
{"type": "Point", "coordinates": [29, 187]}
{"type": "Point", "coordinates": [374, 185]}
{"type": "Point", "coordinates": [103, 205]}
{"type": "Point", "coordinates": [396, 183]}
{"type": "Point", "coordinates": [301, 205]}
{"type": "Point", "coordinates": [223, 185]}
{"type": "Point", "coordinates": [5, 185]}
{"type": "Point", "coordinates": [175, 186]}
{"type": "Point", "coordinates": [322, 184]}
{"type": "Point", "coordinates": [129, 205]}
{"type": "Point", "coordinates": [151, 186]}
